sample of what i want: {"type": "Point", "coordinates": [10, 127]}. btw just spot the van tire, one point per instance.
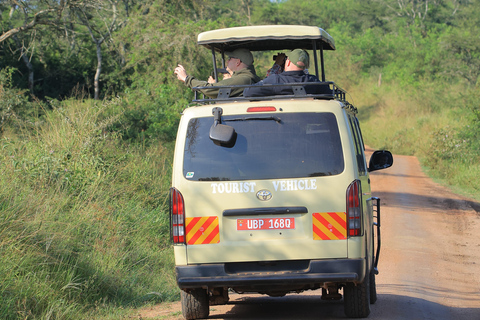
{"type": "Point", "coordinates": [195, 304]}
{"type": "Point", "coordinates": [357, 298]}
{"type": "Point", "coordinates": [373, 288]}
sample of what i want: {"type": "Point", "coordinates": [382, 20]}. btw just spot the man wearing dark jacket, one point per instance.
{"type": "Point", "coordinates": [239, 65]}
{"type": "Point", "coordinates": [296, 63]}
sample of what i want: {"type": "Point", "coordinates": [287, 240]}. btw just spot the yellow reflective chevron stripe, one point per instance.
{"type": "Point", "coordinates": [202, 230]}
{"type": "Point", "coordinates": [329, 226]}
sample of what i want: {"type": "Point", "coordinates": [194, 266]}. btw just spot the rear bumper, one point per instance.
{"type": "Point", "coordinates": [317, 272]}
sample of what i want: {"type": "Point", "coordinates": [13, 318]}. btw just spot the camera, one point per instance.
{"type": "Point", "coordinates": [276, 56]}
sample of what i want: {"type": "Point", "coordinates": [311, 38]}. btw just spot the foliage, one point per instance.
{"type": "Point", "coordinates": [84, 222]}
{"type": "Point", "coordinates": [154, 98]}
{"type": "Point", "coordinates": [455, 152]}
{"type": "Point", "coordinates": [25, 15]}
{"type": "Point", "coordinates": [463, 45]}
{"type": "Point", "coordinates": [14, 106]}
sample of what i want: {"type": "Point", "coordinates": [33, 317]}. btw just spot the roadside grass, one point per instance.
{"type": "Point", "coordinates": [438, 124]}
{"type": "Point", "coordinates": [84, 223]}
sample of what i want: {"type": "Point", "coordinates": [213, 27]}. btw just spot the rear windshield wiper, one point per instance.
{"type": "Point", "coordinates": [276, 119]}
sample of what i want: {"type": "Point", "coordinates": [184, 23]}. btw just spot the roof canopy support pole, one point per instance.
{"type": "Point", "coordinates": [314, 45]}
{"type": "Point", "coordinates": [223, 58]}
{"type": "Point", "coordinates": [322, 62]}
{"type": "Point", "coordinates": [215, 75]}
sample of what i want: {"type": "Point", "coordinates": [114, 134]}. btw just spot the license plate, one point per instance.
{"type": "Point", "coordinates": [266, 224]}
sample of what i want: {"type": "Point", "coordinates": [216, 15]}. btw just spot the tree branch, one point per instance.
{"type": "Point", "coordinates": [35, 21]}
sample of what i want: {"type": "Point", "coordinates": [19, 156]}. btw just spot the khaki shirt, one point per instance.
{"type": "Point", "coordinates": [245, 76]}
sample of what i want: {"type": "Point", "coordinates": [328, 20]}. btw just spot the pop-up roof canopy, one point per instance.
{"type": "Point", "coordinates": [270, 37]}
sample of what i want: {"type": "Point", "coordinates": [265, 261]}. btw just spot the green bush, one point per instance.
{"type": "Point", "coordinates": [462, 149]}
{"type": "Point", "coordinates": [15, 108]}
{"type": "Point", "coordinates": [84, 224]}
{"type": "Point", "coordinates": [152, 115]}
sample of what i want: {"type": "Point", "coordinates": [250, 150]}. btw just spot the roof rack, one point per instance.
{"type": "Point", "coordinates": [329, 91]}
{"type": "Point", "coordinates": [350, 107]}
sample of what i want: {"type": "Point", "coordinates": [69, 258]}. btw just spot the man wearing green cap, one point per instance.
{"type": "Point", "coordinates": [296, 63]}
{"type": "Point", "coordinates": [239, 65]}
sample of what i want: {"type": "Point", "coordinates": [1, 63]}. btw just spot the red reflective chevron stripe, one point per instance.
{"type": "Point", "coordinates": [214, 234]}
{"type": "Point", "coordinates": [202, 230]}
{"type": "Point", "coordinates": [319, 233]}
{"type": "Point", "coordinates": [329, 226]}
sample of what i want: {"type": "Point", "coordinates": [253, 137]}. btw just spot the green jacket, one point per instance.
{"type": "Point", "coordinates": [245, 76]}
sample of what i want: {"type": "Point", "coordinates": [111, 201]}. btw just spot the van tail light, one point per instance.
{"type": "Point", "coordinates": [354, 209]}
{"type": "Point", "coordinates": [177, 217]}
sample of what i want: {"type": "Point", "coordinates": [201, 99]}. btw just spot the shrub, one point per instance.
{"type": "Point", "coordinates": [84, 223]}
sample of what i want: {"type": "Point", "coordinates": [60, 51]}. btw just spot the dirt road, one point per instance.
{"type": "Point", "coordinates": [429, 264]}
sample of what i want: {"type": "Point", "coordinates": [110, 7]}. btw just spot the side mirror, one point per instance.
{"type": "Point", "coordinates": [381, 159]}
{"type": "Point", "coordinates": [222, 135]}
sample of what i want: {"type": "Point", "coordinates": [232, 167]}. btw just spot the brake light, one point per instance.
{"type": "Point", "coordinates": [261, 109]}
{"type": "Point", "coordinates": [177, 216]}
{"type": "Point", "coordinates": [354, 209]}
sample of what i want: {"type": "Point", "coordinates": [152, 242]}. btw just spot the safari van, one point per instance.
{"type": "Point", "coordinates": [271, 195]}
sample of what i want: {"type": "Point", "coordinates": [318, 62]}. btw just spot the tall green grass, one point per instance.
{"type": "Point", "coordinates": [437, 122]}
{"type": "Point", "coordinates": [83, 218]}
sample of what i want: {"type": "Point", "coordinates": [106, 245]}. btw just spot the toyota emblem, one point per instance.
{"type": "Point", "coordinates": [264, 195]}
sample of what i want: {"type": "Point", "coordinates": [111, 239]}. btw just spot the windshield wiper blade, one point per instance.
{"type": "Point", "coordinates": [276, 119]}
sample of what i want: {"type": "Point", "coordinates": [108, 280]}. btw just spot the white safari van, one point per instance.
{"type": "Point", "coordinates": [272, 195]}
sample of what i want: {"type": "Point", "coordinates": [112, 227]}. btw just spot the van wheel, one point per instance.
{"type": "Point", "coordinates": [357, 299]}
{"type": "Point", "coordinates": [373, 288]}
{"type": "Point", "coordinates": [195, 304]}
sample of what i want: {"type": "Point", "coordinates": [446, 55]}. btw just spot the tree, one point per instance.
{"type": "Point", "coordinates": [462, 45]}
{"type": "Point", "coordinates": [102, 19]}
{"type": "Point", "coordinates": [23, 17]}
{"type": "Point", "coordinates": [65, 17]}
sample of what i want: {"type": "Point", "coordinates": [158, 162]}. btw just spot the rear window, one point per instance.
{"type": "Point", "coordinates": [268, 146]}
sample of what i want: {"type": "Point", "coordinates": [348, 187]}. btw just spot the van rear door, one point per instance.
{"type": "Point", "coordinates": [277, 194]}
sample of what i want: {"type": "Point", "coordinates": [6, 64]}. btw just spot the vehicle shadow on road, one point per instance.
{"type": "Point", "coordinates": [388, 306]}
{"type": "Point", "coordinates": [289, 307]}
{"type": "Point", "coordinates": [412, 201]}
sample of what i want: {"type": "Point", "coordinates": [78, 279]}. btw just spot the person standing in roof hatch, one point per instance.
{"type": "Point", "coordinates": [239, 65]}
{"type": "Point", "coordinates": [296, 63]}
